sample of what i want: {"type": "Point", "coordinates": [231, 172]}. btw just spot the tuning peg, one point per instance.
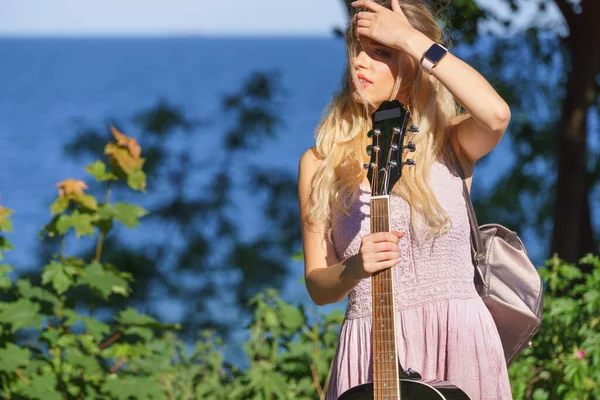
{"type": "Point", "coordinates": [413, 129]}
{"type": "Point", "coordinates": [394, 146]}
{"type": "Point", "coordinates": [411, 146]}
{"type": "Point", "coordinates": [394, 163]}
{"type": "Point", "coordinates": [396, 131]}
{"type": "Point", "coordinates": [410, 162]}
{"type": "Point", "coordinates": [376, 132]}
{"type": "Point", "coordinates": [370, 134]}
{"type": "Point", "coordinates": [367, 166]}
{"type": "Point", "coordinates": [371, 148]}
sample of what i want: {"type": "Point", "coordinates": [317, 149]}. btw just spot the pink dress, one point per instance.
{"type": "Point", "coordinates": [444, 331]}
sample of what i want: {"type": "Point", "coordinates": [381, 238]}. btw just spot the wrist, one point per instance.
{"type": "Point", "coordinates": [416, 44]}
{"type": "Point", "coordinates": [353, 268]}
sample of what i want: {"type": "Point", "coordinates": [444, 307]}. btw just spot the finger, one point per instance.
{"type": "Point", "coordinates": [371, 260]}
{"type": "Point", "coordinates": [399, 235]}
{"type": "Point", "coordinates": [365, 15]}
{"type": "Point", "coordinates": [396, 6]}
{"type": "Point", "coordinates": [385, 256]}
{"type": "Point", "coordinates": [370, 5]}
{"type": "Point", "coordinates": [385, 265]}
{"type": "Point", "coordinates": [362, 31]}
{"type": "Point", "coordinates": [385, 246]}
{"type": "Point", "coordinates": [363, 24]}
{"type": "Point", "coordinates": [385, 237]}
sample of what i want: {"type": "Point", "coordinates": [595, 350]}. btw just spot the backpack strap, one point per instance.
{"type": "Point", "coordinates": [477, 248]}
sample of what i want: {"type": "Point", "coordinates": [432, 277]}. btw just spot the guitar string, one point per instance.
{"type": "Point", "coordinates": [384, 314]}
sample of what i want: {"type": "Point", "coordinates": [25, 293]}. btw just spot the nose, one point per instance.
{"type": "Point", "coordinates": [361, 60]}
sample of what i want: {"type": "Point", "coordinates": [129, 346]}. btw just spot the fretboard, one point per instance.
{"type": "Point", "coordinates": [385, 359]}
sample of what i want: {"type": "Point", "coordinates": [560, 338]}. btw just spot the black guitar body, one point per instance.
{"type": "Point", "coordinates": [411, 390]}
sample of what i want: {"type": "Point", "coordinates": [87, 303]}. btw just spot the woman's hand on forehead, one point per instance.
{"type": "Point", "coordinates": [382, 25]}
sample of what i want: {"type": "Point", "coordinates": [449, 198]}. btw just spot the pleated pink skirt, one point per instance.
{"type": "Point", "coordinates": [453, 340]}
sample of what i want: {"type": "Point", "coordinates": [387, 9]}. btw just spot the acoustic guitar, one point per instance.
{"type": "Point", "coordinates": [390, 380]}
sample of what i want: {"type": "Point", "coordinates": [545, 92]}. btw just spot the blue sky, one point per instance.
{"type": "Point", "coordinates": [160, 17]}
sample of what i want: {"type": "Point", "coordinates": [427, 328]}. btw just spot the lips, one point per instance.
{"type": "Point", "coordinates": [363, 80]}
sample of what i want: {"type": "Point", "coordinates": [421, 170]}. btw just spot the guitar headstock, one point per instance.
{"type": "Point", "coordinates": [388, 134]}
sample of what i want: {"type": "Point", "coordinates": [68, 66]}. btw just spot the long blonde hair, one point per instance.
{"type": "Point", "coordinates": [341, 137]}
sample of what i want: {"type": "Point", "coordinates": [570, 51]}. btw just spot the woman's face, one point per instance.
{"type": "Point", "coordinates": [376, 68]}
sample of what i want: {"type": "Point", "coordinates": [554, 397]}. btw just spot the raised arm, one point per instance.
{"type": "Point", "coordinates": [477, 132]}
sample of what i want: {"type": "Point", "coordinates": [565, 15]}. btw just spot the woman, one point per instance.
{"type": "Point", "coordinates": [444, 331]}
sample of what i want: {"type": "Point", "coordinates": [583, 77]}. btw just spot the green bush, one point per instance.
{"type": "Point", "coordinates": [565, 360]}
{"type": "Point", "coordinates": [52, 348]}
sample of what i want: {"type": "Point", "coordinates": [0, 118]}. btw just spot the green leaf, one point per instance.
{"type": "Point", "coordinates": [41, 387]}
{"type": "Point", "coordinates": [82, 223]}
{"type": "Point", "coordinates": [130, 317]}
{"type": "Point", "coordinates": [98, 171]}
{"type": "Point", "coordinates": [292, 317]}
{"type": "Point", "coordinates": [13, 357]}
{"type": "Point", "coordinates": [128, 214]}
{"type": "Point", "coordinates": [60, 275]}
{"type": "Point", "coordinates": [50, 230]}
{"type": "Point", "coordinates": [59, 205]}
{"type": "Point", "coordinates": [38, 293]}
{"type": "Point", "coordinates": [51, 336]}
{"type": "Point", "coordinates": [103, 280]}
{"type": "Point", "coordinates": [299, 256]}
{"type": "Point", "coordinates": [66, 340]}
{"type": "Point", "coordinates": [20, 314]}
{"type": "Point", "coordinates": [137, 180]}
{"type": "Point", "coordinates": [4, 246]}
{"type": "Point", "coordinates": [5, 224]}
{"type": "Point", "coordinates": [105, 211]}
{"type": "Point", "coordinates": [540, 394]}
{"type": "Point", "coordinates": [78, 359]}
{"type": "Point", "coordinates": [104, 220]}
{"type": "Point", "coordinates": [271, 319]}
{"type": "Point", "coordinates": [5, 281]}
{"type": "Point", "coordinates": [94, 327]}
{"type": "Point", "coordinates": [88, 201]}
{"type": "Point", "coordinates": [124, 388]}
{"type": "Point", "coordinates": [144, 333]}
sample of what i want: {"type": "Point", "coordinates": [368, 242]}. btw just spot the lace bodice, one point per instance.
{"type": "Point", "coordinates": [430, 269]}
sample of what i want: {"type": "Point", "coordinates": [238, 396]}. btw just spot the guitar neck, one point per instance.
{"type": "Point", "coordinates": [385, 359]}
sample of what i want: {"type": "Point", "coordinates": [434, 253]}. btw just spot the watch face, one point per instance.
{"type": "Point", "coordinates": [435, 53]}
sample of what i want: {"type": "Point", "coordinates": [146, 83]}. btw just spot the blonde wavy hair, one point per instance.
{"type": "Point", "coordinates": [341, 136]}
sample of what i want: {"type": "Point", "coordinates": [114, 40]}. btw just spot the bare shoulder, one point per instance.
{"type": "Point", "coordinates": [309, 163]}
{"type": "Point", "coordinates": [310, 156]}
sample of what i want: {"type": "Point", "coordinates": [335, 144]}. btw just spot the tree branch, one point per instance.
{"type": "Point", "coordinates": [567, 12]}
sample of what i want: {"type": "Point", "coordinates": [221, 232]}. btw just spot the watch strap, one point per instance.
{"type": "Point", "coordinates": [427, 65]}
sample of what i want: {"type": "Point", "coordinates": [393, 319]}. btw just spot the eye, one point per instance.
{"type": "Point", "coordinates": [383, 52]}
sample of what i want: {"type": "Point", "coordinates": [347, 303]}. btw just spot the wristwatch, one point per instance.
{"type": "Point", "coordinates": [433, 56]}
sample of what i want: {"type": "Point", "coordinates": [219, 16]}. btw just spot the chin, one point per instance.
{"type": "Point", "coordinates": [374, 104]}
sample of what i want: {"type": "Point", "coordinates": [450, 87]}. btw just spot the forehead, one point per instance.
{"type": "Point", "coordinates": [365, 40]}
{"type": "Point", "coordinates": [362, 41]}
